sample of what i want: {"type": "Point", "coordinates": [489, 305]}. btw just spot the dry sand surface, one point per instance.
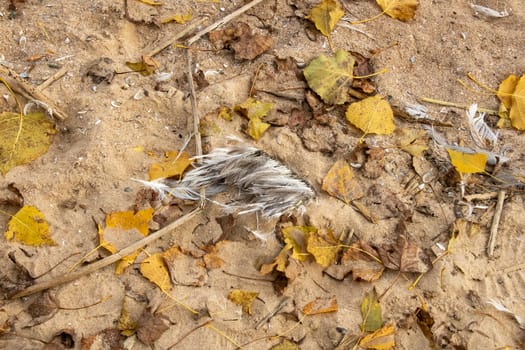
{"type": "Point", "coordinates": [118, 125]}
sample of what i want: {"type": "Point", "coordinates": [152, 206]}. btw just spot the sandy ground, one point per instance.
{"type": "Point", "coordinates": [116, 128]}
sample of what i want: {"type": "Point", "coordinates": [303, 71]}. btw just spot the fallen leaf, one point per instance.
{"type": "Point", "coordinates": [108, 338]}
{"type": "Point", "coordinates": [279, 263]}
{"type": "Point", "coordinates": [326, 15]}
{"type": "Point", "coordinates": [126, 326]}
{"type": "Point", "coordinates": [324, 248]}
{"type": "Point", "coordinates": [145, 67]}
{"type": "Point", "coordinates": [28, 226]}
{"type": "Point", "coordinates": [285, 345]}
{"type": "Point", "coordinates": [404, 10]}
{"type": "Point", "coordinates": [254, 110]}
{"type": "Point", "coordinates": [425, 321]}
{"type": "Point", "coordinates": [363, 261]}
{"type": "Point", "coordinates": [173, 165]}
{"type": "Point", "coordinates": [321, 306]}
{"type": "Point", "coordinates": [517, 111]}
{"type": "Point", "coordinates": [183, 269]}
{"type": "Point", "coordinates": [331, 77]}
{"type": "Point", "coordinates": [23, 138]}
{"type": "Point", "coordinates": [154, 269]}
{"type": "Point", "coordinates": [150, 327]}
{"type": "Point", "coordinates": [296, 238]}
{"type": "Point", "coordinates": [371, 312]}
{"type": "Point", "coordinates": [128, 220]}
{"type": "Point", "coordinates": [339, 182]}
{"type": "Point", "coordinates": [178, 17]}
{"type": "Point", "coordinates": [225, 113]}
{"type": "Point", "coordinates": [467, 163]}
{"type": "Point", "coordinates": [382, 339]}
{"type": "Point", "coordinates": [413, 141]}
{"type": "Point", "coordinates": [241, 40]}
{"type": "Point", "coordinates": [373, 115]}
{"type": "Point", "coordinates": [506, 89]}
{"type": "Point", "coordinates": [243, 298]}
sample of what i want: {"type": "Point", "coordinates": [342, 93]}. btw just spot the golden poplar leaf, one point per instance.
{"type": "Point", "coordinates": [321, 306]}
{"type": "Point", "coordinates": [326, 15]}
{"type": "Point", "coordinates": [323, 248]}
{"type": "Point", "coordinates": [371, 312]}
{"type": "Point", "coordinates": [154, 269]}
{"type": "Point", "coordinates": [404, 10]}
{"type": "Point", "coordinates": [127, 220]}
{"type": "Point", "coordinates": [279, 263]}
{"type": "Point", "coordinates": [506, 89]}
{"type": "Point", "coordinates": [296, 237]}
{"type": "Point", "coordinates": [243, 298]}
{"type": "Point", "coordinates": [254, 110]}
{"type": "Point", "coordinates": [413, 141]}
{"type": "Point", "coordinates": [373, 115]}
{"type": "Point", "coordinates": [382, 339]}
{"type": "Point", "coordinates": [467, 163]}
{"type": "Point", "coordinates": [23, 138]}
{"type": "Point", "coordinates": [340, 183]}
{"type": "Point", "coordinates": [178, 17]}
{"type": "Point", "coordinates": [517, 110]}
{"type": "Point", "coordinates": [172, 165]}
{"type": "Point", "coordinates": [28, 226]}
{"type": "Point", "coordinates": [330, 77]}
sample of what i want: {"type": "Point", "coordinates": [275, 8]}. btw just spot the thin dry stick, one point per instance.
{"type": "Point", "coordinates": [108, 260]}
{"type": "Point", "coordinates": [456, 105]}
{"type": "Point", "coordinates": [495, 223]}
{"type": "Point", "coordinates": [171, 40]}
{"type": "Point", "coordinates": [30, 92]}
{"type": "Point", "coordinates": [59, 74]}
{"type": "Point", "coordinates": [223, 21]}
{"type": "Point", "coordinates": [272, 313]}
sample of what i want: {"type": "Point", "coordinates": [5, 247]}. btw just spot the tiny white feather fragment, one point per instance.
{"type": "Point", "coordinates": [481, 133]}
{"type": "Point", "coordinates": [487, 11]}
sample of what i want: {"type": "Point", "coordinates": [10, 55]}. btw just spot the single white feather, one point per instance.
{"type": "Point", "coordinates": [481, 133]}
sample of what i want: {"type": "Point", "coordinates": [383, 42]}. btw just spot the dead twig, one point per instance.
{"type": "Point", "coordinates": [495, 223]}
{"type": "Point", "coordinates": [272, 313]}
{"type": "Point", "coordinates": [59, 74]}
{"type": "Point", "coordinates": [108, 260]}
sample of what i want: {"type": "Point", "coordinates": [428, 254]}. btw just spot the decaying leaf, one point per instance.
{"type": "Point", "coordinates": [425, 321]}
{"type": "Point", "coordinates": [241, 40]}
{"type": "Point", "coordinates": [285, 345]}
{"type": "Point", "coordinates": [326, 15]}
{"type": "Point", "coordinates": [23, 138]}
{"type": "Point", "coordinates": [243, 298]}
{"type": "Point", "coordinates": [178, 17]}
{"type": "Point", "coordinates": [254, 110]}
{"type": "Point", "coordinates": [323, 247]}
{"type": "Point", "coordinates": [404, 10]}
{"type": "Point", "coordinates": [145, 67]}
{"type": "Point", "coordinates": [173, 165]}
{"type": "Point", "coordinates": [340, 183]}
{"type": "Point", "coordinates": [154, 269]}
{"type": "Point", "coordinates": [363, 261]}
{"type": "Point", "coordinates": [296, 237]}
{"type": "Point", "coordinates": [330, 77]}
{"type": "Point", "coordinates": [108, 338]}
{"type": "Point", "coordinates": [184, 269]}
{"type": "Point", "coordinates": [150, 327]}
{"type": "Point", "coordinates": [279, 263]}
{"type": "Point", "coordinates": [28, 226]}
{"type": "Point", "coordinates": [382, 339]}
{"type": "Point", "coordinates": [371, 312]}
{"type": "Point", "coordinates": [373, 115]}
{"type": "Point", "coordinates": [413, 141]}
{"type": "Point", "coordinates": [467, 163]}
{"type": "Point", "coordinates": [321, 306]}
{"type": "Point", "coordinates": [125, 324]}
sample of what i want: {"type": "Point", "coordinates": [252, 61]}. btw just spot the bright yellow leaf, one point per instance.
{"type": "Point", "coordinates": [467, 163]}
{"type": "Point", "coordinates": [243, 298]}
{"type": "Point", "coordinates": [371, 312]}
{"type": "Point", "coordinates": [404, 10]}
{"type": "Point", "coordinates": [178, 17]}
{"type": "Point", "coordinates": [517, 111]}
{"type": "Point", "coordinates": [340, 183]}
{"type": "Point", "coordinates": [172, 165]}
{"type": "Point", "coordinates": [326, 15]}
{"type": "Point", "coordinates": [382, 339]}
{"type": "Point", "coordinates": [373, 115]}
{"type": "Point", "coordinates": [154, 269]}
{"type": "Point", "coordinates": [323, 249]}
{"type": "Point", "coordinates": [413, 141]}
{"type": "Point", "coordinates": [28, 226]}
{"type": "Point", "coordinates": [296, 237]}
{"type": "Point", "coordinates": [321, 306]}
{"type": "Point", "coordinates": [127, 220]}
{"type": "Point", "coordinates": [23, 138]}
{"type": "Point", "coordinates": [254, 110]}
{"type": "Point", "coordinates": [330, 77]}
{"type": "Point", "coordinates": [256, 128]}
{"type": "Point", "coordinates": [145, 67]}
{"type": "Point", "coordinates": [506, 89]}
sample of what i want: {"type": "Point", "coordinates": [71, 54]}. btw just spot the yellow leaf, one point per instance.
{"type": "Point", "coordinates": [517, 111]}
{"type": "Point", "coordinates": [28, 226]}
{"type": "Point", "coordinates": [151, 2]}
{"type": "Point", "coordinates": [126, 262]}
{"type": "Point", "coordinates": [279, 263]}
{"type": "Point", "coordinates": [340, 182]}
{"type": "Point", "coordinates": [371, 312]}
{"type": "Point", "coordinates": [382, 339]}
{"type": "Point", "coordinates": [154, 269]}
{"type": "Point", "coordinates": [506, 89]}
{"type": "Point", "coordinates": [171, 166]}
{"type": "Point", "coordinates": [179, 18]}
{"type": "Point", "coordinates": [243, 298]}
{"type": "Point", "coordinates": [467, 163]}
{"type": "Point", "coordinates": [403, 10]}
{"type": "Point", "coordinates": [145, 67]}
{"type": "Point", "coordinates": [321, 306]}
{"type": "Point", "coordinates": [23, 138]}
{"type": "Point", "coordinates": [225, 113]}
{"type": "Point", "coordinates": [254, 110]}
{"type": "Point", "coordinates": [330, 77]}
{"type": "Point", "coordinates": [127, 220]}
{"type": "Point", "coordinates": [373, 115]}
{"type": "Point", "coordinates": [326, 15]}
{"type": "Point", "coordinates": [413, 141]}
{"type": "Point", "coordinates": [126, 326]}
{"type": "Point", "coordinates": [296, 237]}
{"type": "Point", "coordinates": [323, 250]}
{"type": "Point", "coordinates": [285, 345]}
